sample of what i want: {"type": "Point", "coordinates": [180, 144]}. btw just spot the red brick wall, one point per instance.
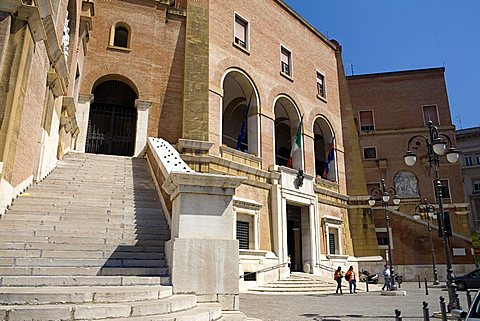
{"type": "Point", "coordinates": [154, 64]}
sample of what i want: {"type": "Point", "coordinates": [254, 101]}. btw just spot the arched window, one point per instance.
{"type": "Point", "coordinates": [287, 121]}
{"type": "Point", "coordinates": [120, 35]}
{"type": "Point", "coordinates": [240, 113]}
{"type": "Point", "coordinates": [406, 184]}
{"type": "Point", "coordinates": [324, 145]}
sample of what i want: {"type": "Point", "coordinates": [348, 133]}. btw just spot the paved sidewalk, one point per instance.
{"type": "Point", "coordinates": [348, 307]}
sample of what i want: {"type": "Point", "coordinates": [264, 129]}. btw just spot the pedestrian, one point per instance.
{"type": "Point", "coordinates": [289, 263]}
{"type": "Point", "coordinates": [386, 278]}
{"type": "Point", "coordinates": [350, 276]}
{"type": "Point", "coordinates": [338, 276]}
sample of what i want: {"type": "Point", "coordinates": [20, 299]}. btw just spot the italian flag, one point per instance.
{"type": "Point", "coordinates": [296, 144]}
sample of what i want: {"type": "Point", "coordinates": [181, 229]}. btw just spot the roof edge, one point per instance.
{"type": "Point", "coordinates": [297, 16]}
{"type": "Point", "coordinates": [398, 73]}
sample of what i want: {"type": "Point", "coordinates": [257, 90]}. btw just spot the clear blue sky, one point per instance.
{"type": "Point", "coordinates": [389, 35]}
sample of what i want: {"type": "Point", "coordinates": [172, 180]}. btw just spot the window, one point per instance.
{"type": "Point", "coordinates": [120, 35]}
{"type": "Point", "coordinates": [476, 186]}
{"type": "Point", "coordinates": [241, 32]}
{"type": "Point", "coordinates": [321, 85]}
{"type": "Point", "coordinates": [286, 60]}
{"type": "Point", "coordinates": [372, 186]}
{"type": "Point", "coordinates": [468, 160]}
{"type": "Point", "coordinates": [332, 244]}
{"type": "Point", "coordinates": [430, 113]}
{"type": "Point", "coordinates": [444, 189]}
{"type": "Point", "coordinates": [477, 159]}
{"type": "Point", "coordinates": [366, 120]}
{"type": "Point", "coordinates": [243, 235]}
{"type": "Point", "coordinates": [382, 238]}
{"type": "Point", "coordinates": [369, 153]}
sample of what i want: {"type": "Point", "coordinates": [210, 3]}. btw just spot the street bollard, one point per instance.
{"type": "Point", "coordinates": [419, 284]}
{"type": "Point", "coordinates": [398, 316]}
{"type": "Point", "coordinates": [366, 284]}
{"type": "Point", "coordinates": [469, 299]}
{"type": "Point", "coordinates": [443, 308]}
{"type": "Point", "coordinates": [457, 301]}
{"type": "Point", "coordinates": [426, 287]}
{"type": "Point", "coordinates": [426, 312]}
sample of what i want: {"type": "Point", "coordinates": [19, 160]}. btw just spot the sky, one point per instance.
{"type": "Point", "coordinates": [393, 35]}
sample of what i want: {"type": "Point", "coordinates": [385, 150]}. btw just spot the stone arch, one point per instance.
{"type": "Point", "coordinates": [287, 120]}
{"type": "Point", "coordinates": [112, 120]}
{"type": "Point", "coordinates": [240, 96]}
{"type": "Point", "coordinates": [324, 148]}
{"type": "Point", "coordinates": [406, 184]}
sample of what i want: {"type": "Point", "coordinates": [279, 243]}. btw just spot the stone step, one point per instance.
{"type": "Point", "coordinates": [115, 254]}
{"type": "Point", "coordinates": [135, 247]}
{"type": "Point", "coordinates": [82, 262]}
{"type": "Point", "coordinates": [82, 294]}
{"type": "Point", "coordinates": [38, 281]}
{"type": "Point", "coordinates": [79, 219]}
{"type": "Point", "coordinates": [87, 239]}
{"type": "Point", "coordinates": [86, 271]}
{"type": "Point", "coordinates": [27, 229]}
{"type": "Point", "coordinates": [176, 308]}
{"type": "Point", "coordinates": [137, 223]}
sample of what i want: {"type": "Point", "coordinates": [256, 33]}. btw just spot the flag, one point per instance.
{"type": "Point", "coordinates": [330, 158]}
{"type": "Point", "coordinates": [296, 144]}
{"type": "Point", "coordinates": [243, 129]}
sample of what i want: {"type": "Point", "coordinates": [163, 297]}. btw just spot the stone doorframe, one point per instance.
{"type": "Point", "coordinates": [83, 111]}
{"type": "Point", "coordinates": [283, 193]}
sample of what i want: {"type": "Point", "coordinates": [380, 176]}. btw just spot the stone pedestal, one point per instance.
{"type": "Point", "coordinates": [202, 252]}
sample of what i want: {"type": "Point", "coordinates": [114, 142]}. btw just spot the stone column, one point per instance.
{"type": "Point", "coordinates": [313, 237]}
{"type": "Point", "coordinates": [143, 108]}
{"type": "Point", "coordinates": [202, 253]}
{"type": "Point", "coordinates": [83, 112]}
{"type": "Point", "coordinates": [195, 97]}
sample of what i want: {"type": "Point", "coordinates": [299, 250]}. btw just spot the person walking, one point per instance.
{"type": "Point", "coordinates": [351, 278]}
{"type": "Point", "coordinates": [338, 276]}
{"type": "Point", "coordinates": [386, 278]}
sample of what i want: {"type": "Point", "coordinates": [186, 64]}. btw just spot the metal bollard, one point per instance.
{"type": "Point", "coordinates": [426, 312]}
{"type": "Point", "coordinates": [366, 284]}
{"type": "Point", "coordinates": [419, 284]}
{"type": "Point", "coordinates": [398, 316]}
{"type": "Point", "coordinates": [443, 308]}
{"type": "Point", "coordinates": [469, 299]}
{"type": "Point", "coordinates": [457, 301]}
{"type": "Point", "coordinates": [426, 287]}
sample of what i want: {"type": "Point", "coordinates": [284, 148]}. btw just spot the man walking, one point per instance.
{"type": "Point", "coordinates": [386, 278]}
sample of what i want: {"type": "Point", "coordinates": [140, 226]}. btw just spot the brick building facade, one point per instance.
{"type": "Point", "coordinates": [234, 89]}
{"type": "Point", "coordinates": [389, 109]}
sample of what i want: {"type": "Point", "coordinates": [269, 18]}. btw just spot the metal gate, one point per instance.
{"type": "Point", "coordinates": [111, 129]}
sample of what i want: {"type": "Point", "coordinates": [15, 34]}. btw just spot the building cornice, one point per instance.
{"type": "Point", "coordinates": [398, 73]}
{"type": "Point", "coordinates": [302, 20]}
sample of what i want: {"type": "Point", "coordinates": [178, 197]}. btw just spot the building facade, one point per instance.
{"type": "Point", "coordinates": [469, 143]}
{"type": "Point", "coordinates": [389, 109]}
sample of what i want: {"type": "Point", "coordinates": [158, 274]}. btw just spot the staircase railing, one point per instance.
{"type": "Point", "coordinates": [267, 269]}
{"type": "Point", "coordinates": [326, 267]}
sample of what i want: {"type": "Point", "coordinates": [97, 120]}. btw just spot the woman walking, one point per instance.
{"type": "Point", "coordinates": [352, 280]}
{"type": "Point", "coordinates": [338, 276]}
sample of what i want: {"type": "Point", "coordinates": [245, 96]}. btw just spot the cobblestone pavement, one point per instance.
{"type": "Point", "coordinates": [347, 307]}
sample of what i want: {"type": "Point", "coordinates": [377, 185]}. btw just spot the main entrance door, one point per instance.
{"type": "Point", "coordinates": [112, 120]}
{"type": "Point", "coordinates": [294, 237]}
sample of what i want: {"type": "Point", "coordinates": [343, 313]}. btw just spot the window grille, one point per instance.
{"type": "Point", "coordinates": [332, 243]}
{"type": "Point", "coordinates": [243, 235]}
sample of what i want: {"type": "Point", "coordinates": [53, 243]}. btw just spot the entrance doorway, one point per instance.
{"type": "Point", "coordinates": [294, 237]}
{"type": "Point", "coordinates": [112, 120]}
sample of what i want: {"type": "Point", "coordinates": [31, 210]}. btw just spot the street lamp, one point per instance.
{"type": "Point", "coordinates": [426, 212]}
{"type": "Point", "coordinates": [437, 144]}
{"type": "Point", "coordinates": [383, 194]}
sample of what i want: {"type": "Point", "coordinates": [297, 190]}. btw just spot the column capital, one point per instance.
{"type": "Point", "coordinates": [142, 105]}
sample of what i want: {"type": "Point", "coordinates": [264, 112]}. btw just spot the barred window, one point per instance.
{"type": "Point", "coordinates": [332, 244]}
{"type": "Point", "coordinates": [243, 235]}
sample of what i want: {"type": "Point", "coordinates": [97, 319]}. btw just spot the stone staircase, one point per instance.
{"type": "Point", "coordinates": [87, 243]}
{"type": "Point", "coordinates": [301, 284]}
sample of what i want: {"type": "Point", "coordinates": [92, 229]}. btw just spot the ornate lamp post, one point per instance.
{"type": "Point", "coordinates": [437, 144]}
{"type": "Point", "coordinates": [382, 194]}
{"type": "Point", "coordinates": [426, 212]}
